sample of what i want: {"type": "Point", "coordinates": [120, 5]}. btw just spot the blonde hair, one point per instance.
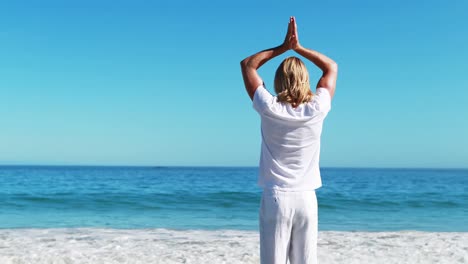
{"type": "Point", "coordinates": [292, 82]}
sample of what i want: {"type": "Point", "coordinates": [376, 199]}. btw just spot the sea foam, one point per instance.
{"type": "Point", "coordinates": [93, 245]}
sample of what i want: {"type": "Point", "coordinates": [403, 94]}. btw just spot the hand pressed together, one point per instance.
{"type": "Point", "coordinates": [291, 40]}
{"type": "Point", "coordinates": [249, 65]}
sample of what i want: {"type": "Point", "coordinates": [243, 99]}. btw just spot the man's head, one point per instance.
{"type": "Point", "coordinates": [292, 82]}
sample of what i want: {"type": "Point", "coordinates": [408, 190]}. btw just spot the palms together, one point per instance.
{"type": "Point", "coordinates": [292, 40]}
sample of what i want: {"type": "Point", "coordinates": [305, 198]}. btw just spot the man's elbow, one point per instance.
{"type": "Point", "coordinates": [333, 67]}
{"type": "Point", "coordinates": [243, 63]}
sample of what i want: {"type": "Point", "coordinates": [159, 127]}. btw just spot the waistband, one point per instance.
{"type": "Point", "coordinates": [269, 191]}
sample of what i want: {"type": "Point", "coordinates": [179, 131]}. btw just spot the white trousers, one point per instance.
{"type": "Point", "coordinates": [288, 227]}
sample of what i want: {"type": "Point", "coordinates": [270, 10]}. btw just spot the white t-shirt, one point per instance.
{"type": "Point", "coordinates": [290, 149]}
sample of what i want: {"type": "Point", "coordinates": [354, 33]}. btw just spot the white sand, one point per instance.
{"type": "Point", "coordinates": [88, 245]}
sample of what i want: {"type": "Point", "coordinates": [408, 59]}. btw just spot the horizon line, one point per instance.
{"type": "Point", "coordinates": [222, 166]}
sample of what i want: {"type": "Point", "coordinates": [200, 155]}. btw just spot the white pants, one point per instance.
{"type": "Point", "coordinates": [288, 227]}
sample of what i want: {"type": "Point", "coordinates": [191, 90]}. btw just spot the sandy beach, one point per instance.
{"type": "Point", "coordinates": [90, 245]}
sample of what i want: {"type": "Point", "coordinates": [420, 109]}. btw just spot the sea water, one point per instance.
{"type": "Point", "coordinates": [84, 214]}
{"type": "Point", "coordinates": [226, 198]}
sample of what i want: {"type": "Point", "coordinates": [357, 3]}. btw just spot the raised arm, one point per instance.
{"type": "Point", "coordinates": [328, 66]}
{"type": "Point", "coordinates": [250, 64]}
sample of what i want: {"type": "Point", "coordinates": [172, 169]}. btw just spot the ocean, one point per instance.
{"type": "Point", "coordinates": [91, 214]}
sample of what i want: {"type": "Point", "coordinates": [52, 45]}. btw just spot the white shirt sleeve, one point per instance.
{"type": "Point", "coordinates": [262, 99]}
{"type": "Point", "coordinates": [323, 100]}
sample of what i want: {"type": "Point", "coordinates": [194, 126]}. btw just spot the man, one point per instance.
{"type": "Point", "coordinates": [291, 126]}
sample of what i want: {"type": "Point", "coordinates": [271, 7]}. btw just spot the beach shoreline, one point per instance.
{"type": "Point", "coordinates": [106, 245]}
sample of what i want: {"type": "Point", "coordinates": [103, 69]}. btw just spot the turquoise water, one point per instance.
{"type": "Point", "coordinates": [225, 198]}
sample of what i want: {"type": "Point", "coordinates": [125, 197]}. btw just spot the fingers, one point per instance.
{"type": "Point", "coordinates": [294, 26]}
{"type": "Point", "coordinates": [291, 39]}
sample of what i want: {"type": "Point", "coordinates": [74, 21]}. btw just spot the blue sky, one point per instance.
{"type": "Point", "coordinates": [151, 83]}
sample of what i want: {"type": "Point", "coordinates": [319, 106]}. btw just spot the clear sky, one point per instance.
{"type": "Point", "coordinates": [159, 82]}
